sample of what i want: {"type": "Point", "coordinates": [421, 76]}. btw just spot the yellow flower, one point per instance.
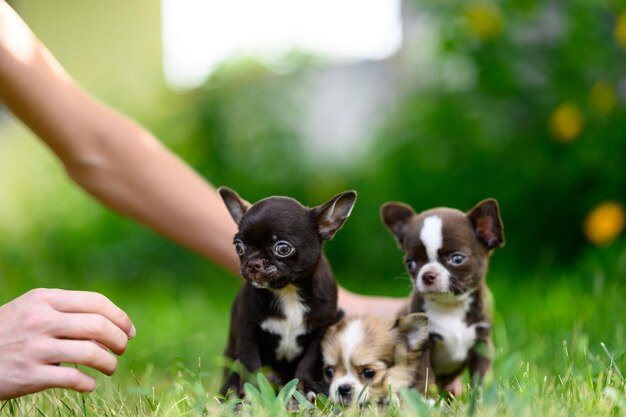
{"type": "Point", "coordinates": [604, 223]}
{"type": "Point", "coordinates": [566, 122]}
{"type": "Point", "coordinates": [620, 30]}
{"type": "Point", "coordinates": [602, 98]}
{"type": "Point", "coordinates": [484, 20]}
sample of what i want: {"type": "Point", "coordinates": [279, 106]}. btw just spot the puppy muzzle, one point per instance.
{"type": "Point", "coordinates": [433, 278]}
{"type": "Point", "coordinates": [259, 273]}
{"type": "Point", "coordinates": [267, 276]}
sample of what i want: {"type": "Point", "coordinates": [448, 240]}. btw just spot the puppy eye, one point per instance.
{"type": "Point", "coordinates": [329, 372]}
{"type": "Point", "coordinates": [283, 248]}
{"type": "Point", "coordinates": [368, 373]}
{"type": "Point", "coordinates": [240, 248]}
{"type": "Point", "coordinates": [457, 259]}
{"type": "Point", "coordinates": [411, 265]}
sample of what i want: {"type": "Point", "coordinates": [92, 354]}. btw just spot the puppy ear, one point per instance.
{"type": "Point", "coordinates": [333, 214]}
{"type": "Point", "coordinates": [414, 329]}
{"type": "Point", "coordinates": [396, 217]}
{"type": "Point", "coordinates": [487, 225]}
{"type": "Point", "coordinates": [235, 204]}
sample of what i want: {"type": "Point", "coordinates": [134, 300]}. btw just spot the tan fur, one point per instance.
{"type": "Point", "coordinates": [384, 349]}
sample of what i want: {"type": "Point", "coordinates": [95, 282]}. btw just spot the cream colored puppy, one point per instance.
{"type": "Point", "coordinates": [365, 356]}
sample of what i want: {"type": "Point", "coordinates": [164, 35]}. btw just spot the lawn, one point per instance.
{"type": "Point", "coordinates": [559, 339]}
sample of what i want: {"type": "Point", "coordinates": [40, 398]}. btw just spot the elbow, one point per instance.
{"type": "Point", "coordinates": [87, 171]}
{"type": "Point", "coordinates": [97, 160]}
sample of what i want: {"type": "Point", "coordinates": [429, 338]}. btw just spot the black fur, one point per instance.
{"type": "Point", "coordinates": [262, 227]}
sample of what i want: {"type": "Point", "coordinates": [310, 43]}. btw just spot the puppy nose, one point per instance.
{"type": "Point", "coordinates": [255, 265]}
{"type": "Point", "coordinates": [429, 277]}
{"type": "Point", "coordinates": [345, 390]}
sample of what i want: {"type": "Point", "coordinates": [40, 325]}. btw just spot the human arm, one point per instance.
{"type": "Point", "coordinates": [114, 159]}
{"type": "Point", "coordinates": [45, 327]}
{"type": "Point", "coordinates": [353, 303]}
{"type": "Point", "coordinates": [119, 162]}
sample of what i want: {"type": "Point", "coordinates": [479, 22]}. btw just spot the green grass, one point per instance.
{"type": "Point", "coordinates": [588, 384]}
{"type": "Point", "coordinates": [559, 340]}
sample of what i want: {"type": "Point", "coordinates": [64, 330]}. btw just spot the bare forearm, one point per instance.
{"type": "Point", "coordinates": [113, 158]}
{"type": "Point", "coordinates": [353, 303]}
{"type": "Point", "coordinates": [118, 161]}
{"type": "Point", "coordinates": [144, 181]}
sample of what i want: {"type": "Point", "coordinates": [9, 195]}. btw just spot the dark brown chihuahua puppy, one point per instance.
{"type": "Point", "coordinates": [446, 253]}
{"type": "Point", "coordinates": [290, 295]}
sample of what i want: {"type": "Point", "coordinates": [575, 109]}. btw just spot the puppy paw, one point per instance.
{"type": "Point", "coordinates": [228, 393]}
{"type": "Point", "coordinates": [274, 378]}
{"type": "Point", "coordinates": [241, 392]}
{"type": "Point", "coordinates": [455, 387]}
{"type": "Point", "coordinates": [310, 396]}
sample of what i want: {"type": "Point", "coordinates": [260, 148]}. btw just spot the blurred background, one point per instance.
{"type": "Point", "coordinates": [434, 103]}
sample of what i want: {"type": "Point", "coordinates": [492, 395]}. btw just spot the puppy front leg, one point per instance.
{"type": "Point", "coordinates": [424, 380]}
{"type": "Point", "coordinates": [231, 378]}
{"type": "Point", "coordinates": [247, 353]}
{"type": "Point", "coordinates": [309, 368]}
{"type": "Point", "coordinates": [479, 365]}
{"type": "Point", "coordinates": [480, 355]}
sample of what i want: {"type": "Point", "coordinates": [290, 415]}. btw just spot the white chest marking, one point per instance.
{"type": "Point", "coordinates": [447, 320]}
{"type": "Point", "coordinates": [291, 326]}
{"type": "Point", "coordinates": [431, 236]}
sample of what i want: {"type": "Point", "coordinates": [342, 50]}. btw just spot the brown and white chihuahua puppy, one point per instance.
{"type": "Point", "coordinates": [289, 297]}
{"type": "Point", "coordinates": [365, 356]}
{"type": "Point", "coordinates": [446, 253]}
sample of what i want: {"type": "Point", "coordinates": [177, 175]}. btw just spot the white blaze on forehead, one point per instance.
{"type": "Point", "coordinates": [432, 236]}
{"type": "Point", "coordinates": [352, 336]}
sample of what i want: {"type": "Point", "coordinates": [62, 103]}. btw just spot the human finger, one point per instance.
{"type": "Point", "coordinates": [87, 326]}
{"type": "Point", "coordinates": [52, 376]}
{"type": "Point", "coordinates": [81, 352]}
{"type": "Point", "coordinates": [91, 302]}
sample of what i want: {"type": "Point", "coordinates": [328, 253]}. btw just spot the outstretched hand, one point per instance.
{"type": "Point", "coordinates": [46, 327]}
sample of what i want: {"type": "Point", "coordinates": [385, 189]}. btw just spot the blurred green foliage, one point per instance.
{"type": "Point", "coordinates": [503, 132]}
